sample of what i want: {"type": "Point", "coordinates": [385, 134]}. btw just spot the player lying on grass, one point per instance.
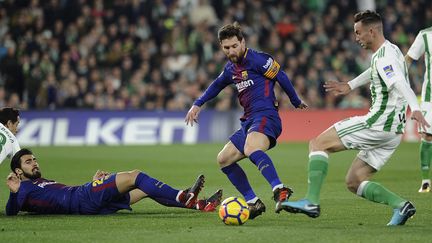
{"type": "Point", "coordinates": [107, 193]}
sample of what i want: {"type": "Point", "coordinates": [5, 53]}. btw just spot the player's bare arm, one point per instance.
{"type": "Point", "coordinates": [408, 60]}
{"type": "Point", "coordinates": [13, 182]}
{"type": "Point", "coordinates": [337, 88]}
{"type": "Point", "coordinates": [192, 115]}
{"type": "Point", "coordinates": [418, 116]}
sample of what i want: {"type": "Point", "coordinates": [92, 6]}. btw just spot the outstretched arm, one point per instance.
{"type": "Point", "coordinates": [287, 86]}
{"type": "Point", "coordinates": [212, 91]}
{"type": "Point", "coordinates": [343, 88]}
{"type": "Point", "coordinates": [12, 206]}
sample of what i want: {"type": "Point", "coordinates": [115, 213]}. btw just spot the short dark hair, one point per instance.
{"type": "Point", "coordinates": [230, 30]}
{"type": "Point", "coordinates": [367, 17]}
{"type": "Point", "coordinates": [8, 114]}
{"type": "Point", "coordinates": [16, 159]}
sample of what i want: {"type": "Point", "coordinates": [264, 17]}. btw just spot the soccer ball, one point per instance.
{"type": "Point", "coordinates": [234, 211]}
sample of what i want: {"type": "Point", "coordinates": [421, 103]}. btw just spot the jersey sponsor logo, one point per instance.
{"type": "Point", "coordinates": [244, 84]}
{"type": "Point", "coordinates": [389, 72]}
{"type": "Point", "coordinates": [268, 63]}
{"type": "Point", "coordinates": [46, 183]}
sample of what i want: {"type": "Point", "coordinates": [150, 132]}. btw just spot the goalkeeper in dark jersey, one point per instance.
{"type": "Point", "coordinates": [254, 74]}
{"type": "Point", "coordinates": [107, 193]}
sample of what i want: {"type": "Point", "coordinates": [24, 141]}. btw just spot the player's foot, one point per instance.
{"type": "Point", "coordinates": [190, 195]}
{"type": "Point", "coordinates": [281, 195]}
{"type": "Point", "coordinates": [425, 186]}
{"type": "Point", "coordinates": [401, 215]}
{"type": "Point", "coordinates": [302, 206]}
{"type": "Point", "coordinates": [256, 209]}
{"type": "Point", "coordinates": [210, 204]}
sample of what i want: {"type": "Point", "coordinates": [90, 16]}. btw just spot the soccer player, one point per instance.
{"type": "Point", "coordinates": [422, 45]}
{"type": "Point", "coordinates": [376, 134]}
{"type": "Point", "coordinates": [9, 119]}
{"type": "Point", "coordinates": [106, 194]}
{"type": "Point", "coordinates": [254, 74]}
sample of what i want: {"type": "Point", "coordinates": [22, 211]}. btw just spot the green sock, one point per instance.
{"type": "Point", "coordinates": [375, 192]}
{"type": "Point", "coordinates": [318, 165]}
{"type": "Point", "coordinates": [425, 159]}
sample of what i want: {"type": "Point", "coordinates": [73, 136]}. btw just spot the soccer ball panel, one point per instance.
{"type": "Point", "coordinates": [234, 211]}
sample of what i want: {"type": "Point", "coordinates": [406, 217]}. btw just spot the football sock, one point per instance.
{"type": "Point", "coordinates": [425, 158]}
{"type": "Point", "coordinates": [168, 202]}
{"type": "Point", "coordinates": [239, 179]}
{"type": "Point", "coordinates": [266, 167]}
{"type": "Point", "coordinates": [375, 192]}
{"type": "Point", "coordinates": [154, 188]}
{"type": "Point", "coordinates": [318, 166]}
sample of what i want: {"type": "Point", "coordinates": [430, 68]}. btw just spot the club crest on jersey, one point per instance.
{"type": "Point", "coordinates": [244, 75]}
{"type": "Point", "coordinates": [388, 70]}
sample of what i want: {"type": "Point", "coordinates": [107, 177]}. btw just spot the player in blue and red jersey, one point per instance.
{"type": "Point", "coordinates": [106, 194]}
{"type": "Point", "coordinates": [254, 74]}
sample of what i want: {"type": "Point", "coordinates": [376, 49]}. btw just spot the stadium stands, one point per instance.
{"type": "Point", "coordinates": [161, 54]}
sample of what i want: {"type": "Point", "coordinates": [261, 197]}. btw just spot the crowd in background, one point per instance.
{"type": "Point", "coordinates": [162, 54]}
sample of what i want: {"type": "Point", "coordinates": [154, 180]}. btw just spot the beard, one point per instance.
{"type": "Point", "coordinates": [36, 174]}
{"type": "Point", "coordinates": [236, 58]}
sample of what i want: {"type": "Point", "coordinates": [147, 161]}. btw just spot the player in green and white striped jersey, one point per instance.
{"type": "Point", "coordinates": [376, 135]}
{"type": "Point", "coordinates": [420, 46]}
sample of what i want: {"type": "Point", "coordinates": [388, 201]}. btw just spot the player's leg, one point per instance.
{"type": "Point", "coordinates": [262, 135]}
{"type": "Point", "coordinates": [357, 181]}
{"type": "Point", "coordinates": [136, 195]}
{"type": "Point", "coordinates": [319, 148]}
{"type": "Point", "coordinates": [256, 145]}
{"type": "Point", "coordinates": [426, 148]}
{"type": "Point", "coordinates": [364, 166]}
{"type": "Point", "coordinates": [227, 160]}
{"type": "Point", "coordinates": [127, 181]}
{"type": "Point", "coordinates": [425, 160]}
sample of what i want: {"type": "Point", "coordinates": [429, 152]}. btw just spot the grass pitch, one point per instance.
{"type": "Point", "coordinates": [344, 218]}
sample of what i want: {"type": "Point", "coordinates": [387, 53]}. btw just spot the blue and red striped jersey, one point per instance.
{"type": "Point", "coordinates": [254, 77]}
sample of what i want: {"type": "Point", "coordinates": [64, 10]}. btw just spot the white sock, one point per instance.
{"type": "Point", "coordinates": [277, 187]}
{"type": "Point", "coordinates": [253, 200]}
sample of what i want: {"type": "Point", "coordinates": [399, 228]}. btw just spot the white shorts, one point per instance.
{"type": "Point", "coordinates": [426, 108]}
{"type": "Point", "coordinates": [376, 147]}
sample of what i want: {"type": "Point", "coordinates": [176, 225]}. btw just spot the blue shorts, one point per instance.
{"type": "Point", "coordinates": [102, 197]}
{"type": "Point", "coordinates": [267, 123]}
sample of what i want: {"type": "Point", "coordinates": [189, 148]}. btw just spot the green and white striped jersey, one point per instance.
{"type": "Point", "coordinates": [420, 46]}
{"type": "Point", "coordinates": [388, 109]}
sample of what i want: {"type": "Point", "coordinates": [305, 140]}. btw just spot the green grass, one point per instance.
{"type": "Point", "coordinates": [345, 217]}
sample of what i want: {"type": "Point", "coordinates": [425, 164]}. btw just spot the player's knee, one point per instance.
{"type": "Point", "coordinates": [133, 175]}
{"type": "Point", "coordinates": [249, 150]}
{"type": "Point", "coordinates": [314, 145]}
{"type": "Point", "coordinates": [222, 159]}
{"type": "Point", "coordinates": [352, 184]}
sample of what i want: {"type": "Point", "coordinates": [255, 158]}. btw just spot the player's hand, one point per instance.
{"type": "Point", "coordinates": [99, 174]}
{"type": "Point", "coordinates": [302, 105]}
{"type": "Point", "coordinates": [418, 116]}
{"type": "Point", "coordinates": [192, 115]}
{"type": "Point", "coordinates": [337, 88]}
{"type": "Point", "coordinates": [13, 182]}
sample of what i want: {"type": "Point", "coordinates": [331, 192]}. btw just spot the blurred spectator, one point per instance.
{"type": "Point", "coordinates": [137, 54]}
